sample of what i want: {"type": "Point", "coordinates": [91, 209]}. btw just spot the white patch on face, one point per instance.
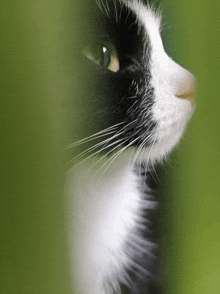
{"type": "Point", "coordinates": [170, 113]}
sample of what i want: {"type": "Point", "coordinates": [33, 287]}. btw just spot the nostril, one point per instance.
{"type": "Point", "coordinates": [187, 89]}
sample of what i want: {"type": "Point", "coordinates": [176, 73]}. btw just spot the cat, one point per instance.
{"type": "Point", "coordinates": [136, 102]}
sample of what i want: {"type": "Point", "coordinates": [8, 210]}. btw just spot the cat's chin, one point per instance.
{"type": "Point", "coordinates": [166, 137]}
{"type": "Point", "coordinates": [157, 152]}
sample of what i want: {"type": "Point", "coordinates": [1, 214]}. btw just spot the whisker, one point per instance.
{"type": "Point", "coordinates": [116, 12]}
{"type": "Point", "coordinates": [97, 153]}
{"type": "Point", "coordinates": [105, 142]}
{"type": "Point", "coordinates": [120, 132]}
{"type": "Point", "coordinates": [99, 5]}
{"type": "Point", "coordinates": [105, 8]}
{"type": "Point", "coordinates": [88, 140]}
{"type": "Point", "coordinates": [88, 150]}
{"type": "Point", "coordinates": [94, 136]}
{"type": "Point", "coordinates": [137, 153]}
{"type": "Point", "coordinates": [127, 16]}
{"type": "Point", "coordinates": [83, 153]}
{"type": "Point", "coordinates": [140, 149]}
{"type": "Point", "coordinates": [111, 159]}
{"type": "Point", "coordinates": [148, 162]}
{"type": "Point", "coordinates": [148, 159]}
{"type": "Point", "coordinates": [107, 153]}
{"type": "Point", "coordinates": [110, 139]}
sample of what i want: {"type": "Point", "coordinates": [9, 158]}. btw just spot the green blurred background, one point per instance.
{"type": "Point", "coordinates": [35, 78]}
{"type": "Point", "coordinates": [193, 188]}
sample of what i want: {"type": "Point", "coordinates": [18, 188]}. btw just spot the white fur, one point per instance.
{"type": "Point", "coordinates": [103, 208]}
{"type": "Point", "coordinates": [105, 212]}
{"type": "Point", "coordinates": [170, 112]}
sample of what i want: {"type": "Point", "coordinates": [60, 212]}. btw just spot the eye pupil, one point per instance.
{"type": "Point", "coordinates": [105, 58]}
{"type": "Point", "coordinates": [103, 55]}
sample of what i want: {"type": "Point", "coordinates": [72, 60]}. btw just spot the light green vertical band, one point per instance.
{"type": "Point", "coordinates": [192, 29]}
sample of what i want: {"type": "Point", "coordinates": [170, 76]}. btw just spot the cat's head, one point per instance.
{"type": "Point", "coordinates": [134, 94]}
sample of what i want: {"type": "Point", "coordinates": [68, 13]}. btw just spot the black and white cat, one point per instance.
{"type": "Point", "coordinates": [139, 103]}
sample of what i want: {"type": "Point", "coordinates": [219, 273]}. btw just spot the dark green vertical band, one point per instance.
{"type": "Point", "coordinates": [33, 236]}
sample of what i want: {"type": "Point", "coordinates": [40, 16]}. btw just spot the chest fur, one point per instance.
{"type": "Point", "coordinates": [102, 215]}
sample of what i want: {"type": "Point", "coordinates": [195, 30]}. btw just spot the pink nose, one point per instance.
{"type": "Point", "coordinates": [187, 89]}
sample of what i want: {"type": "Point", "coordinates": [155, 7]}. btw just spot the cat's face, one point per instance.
{"type": "Point", "coordinates": [132, 105]}
{"type": "Point", "coordinates": [136, 95]}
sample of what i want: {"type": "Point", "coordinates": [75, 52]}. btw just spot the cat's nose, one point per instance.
{"type": "Point", "coordinates": [187, 88]}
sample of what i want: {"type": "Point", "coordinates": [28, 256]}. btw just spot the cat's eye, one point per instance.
{"type": "Point", "coordinates": [103, 54]}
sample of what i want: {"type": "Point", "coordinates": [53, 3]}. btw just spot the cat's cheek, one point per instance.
{"type": "Point", "coordinates": [172, 118]}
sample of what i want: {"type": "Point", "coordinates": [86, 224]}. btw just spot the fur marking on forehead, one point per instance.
{"type": "Point", "coordinates": [147, 16]}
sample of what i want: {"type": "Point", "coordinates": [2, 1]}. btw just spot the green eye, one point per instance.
{"type": "Point", "coordinates": [103, 54]}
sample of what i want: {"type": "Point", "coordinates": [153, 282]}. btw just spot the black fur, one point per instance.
{"type": "Point", "coordinates": [125, 96]}
{"type": "Point", "coordinates": [122, 97]}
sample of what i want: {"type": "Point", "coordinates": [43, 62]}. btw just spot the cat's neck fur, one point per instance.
{"type": "Point", "coordinates": [114, 211]}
